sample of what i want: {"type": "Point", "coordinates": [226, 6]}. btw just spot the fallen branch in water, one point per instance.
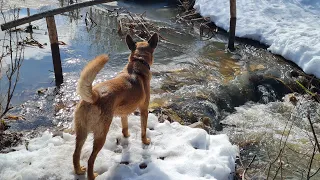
{"type": "Point", "coordinates": [211, 29]}
{"type": "Point", "coordinates": [143, 25]}
{"type": "Point", "coordinates": [311, 161]}
{"type": "Point", "coordinates": [137, 25]}
{"type": "Point", "coordinates": [191, 17]}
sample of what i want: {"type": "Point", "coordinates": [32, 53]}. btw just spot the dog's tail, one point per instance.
{"type": "Point", "coordinates": [87, 76]}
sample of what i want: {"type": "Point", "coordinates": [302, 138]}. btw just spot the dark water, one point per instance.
{"type": "Point", "coordinates": [238, 93]}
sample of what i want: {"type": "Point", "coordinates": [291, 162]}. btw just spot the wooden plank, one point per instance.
{"type": "Point", "coordinates": [53, 36]}
{"type": "Point", "coordinates": [233, 21]}
{"type": "Point", "coordinates": [53, 12]}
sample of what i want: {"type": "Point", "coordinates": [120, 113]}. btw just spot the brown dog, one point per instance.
{"type": "Point", "coordinates": [120, 96]}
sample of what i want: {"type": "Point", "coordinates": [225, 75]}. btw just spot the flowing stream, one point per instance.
{"type": "Point", "coordinates": [243, 94]}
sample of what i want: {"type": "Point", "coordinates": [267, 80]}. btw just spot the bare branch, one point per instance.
{"type": "Point", "coordinates": [14, 51]}
{"type": "Point", "coordinates": [311, 160]}
{"type": "Point", "coordinates": [313, 132]}
{"type": "Point", "coordinates": [244, 172]}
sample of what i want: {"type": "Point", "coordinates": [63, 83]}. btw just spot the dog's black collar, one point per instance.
{"type": "Point", "coordinates": [143, 62]}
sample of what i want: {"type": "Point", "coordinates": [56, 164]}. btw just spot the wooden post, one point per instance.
{"type": "Point", "coordinates": [53, 36]}
{"type": "Point", "coordinates": [233, 20]}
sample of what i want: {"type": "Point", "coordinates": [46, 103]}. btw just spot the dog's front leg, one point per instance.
{"type": "Point", "coordinates": [124, 122]}
{"type": "Point", "coordinates": [144, 121]}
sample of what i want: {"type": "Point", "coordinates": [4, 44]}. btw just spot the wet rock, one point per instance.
{"type": "Point", "coordinates": [170, 115]}
{"type": "Point", "coordinates": [192, 109]}
{"type": "Point", "coordinates": [157, 103]}
{"type": "Point", "coordinates": [201, 125]}
{"type": "Point", "coordinates": [171, 86]}
{"type": "Point", "coordinates": [231, 96]}
{"type": "Point", "coordinates": [206, 121]}
{"type": "Point", "coordinates": [268, 88]}
{"type": "Point", "coordinates": [3, 126]}
{"type": "Point", "coordinates": [294, 73]}
{"type": "Point", "coordinates": [198, 124]}
{"type": "Point", "coordinates": [42, 91]}
{"type": "Point", "coordinates": [9, 139]}
{"type": "Point", "coordinates": [256, 67]}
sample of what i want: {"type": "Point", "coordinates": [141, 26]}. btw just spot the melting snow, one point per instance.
{"type": "Point", "coordinates": [176, 152]}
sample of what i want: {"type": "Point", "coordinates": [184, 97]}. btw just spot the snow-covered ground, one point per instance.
{"type": "Point", "coordinates": [35, 4]}
{"type": "Point", "coordinates": [290, 27]}
{"type": "Point", "coordinates": [176, 152]}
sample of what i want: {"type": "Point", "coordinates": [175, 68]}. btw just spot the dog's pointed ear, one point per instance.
{"type": "Point", "coordinates": [131, 44]}
{"type": "Point", "coordinates": [153, 41]}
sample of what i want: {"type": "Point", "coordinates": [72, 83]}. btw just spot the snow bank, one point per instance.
{"type": "Point", "coordinates": [290, 27]}
{"type": "Point", "coordinates": [35, 4]}
{"type": "Point", "coordinates": [176, 152]}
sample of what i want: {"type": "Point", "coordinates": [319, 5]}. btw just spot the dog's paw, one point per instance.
{"type": "Point", "coordinates": [146, 141]}
{"type": "Point", "coordinates": [126, 135]}
{"type": "Point", "coordinates": [93, 177]}
{"type": "Point", "coordinates": [81, 170]}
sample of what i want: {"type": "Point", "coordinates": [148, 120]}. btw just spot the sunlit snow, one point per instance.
{"type": "Point", "coordinates": [176, 152]}
{"type": "Point", "coordinates": [290, 27]}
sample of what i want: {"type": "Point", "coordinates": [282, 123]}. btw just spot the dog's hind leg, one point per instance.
{"type": "Point", "coordinates": [81, 136]}
{"type": "Point", "coordinates": [98, 142]}
{"type": "Point", "coordinates": [124, 122]}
